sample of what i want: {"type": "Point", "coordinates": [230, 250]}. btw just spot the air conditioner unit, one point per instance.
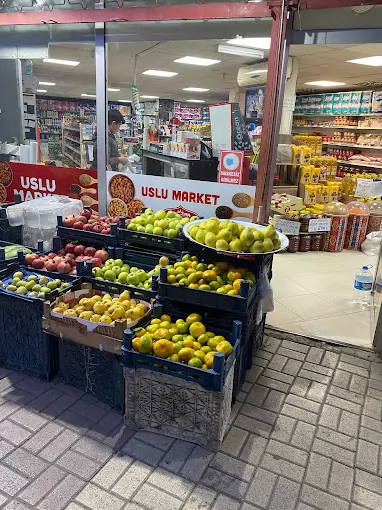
{"type": "Point", "coordinates": [256, 74]}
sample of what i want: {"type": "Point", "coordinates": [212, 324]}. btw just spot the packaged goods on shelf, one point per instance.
{"type": "Point", "coordinates": [370, 122]}
{"type": "Point", "coordinates": [370, 139]}
{"type": "Point", "coordinates": [284, 203]}
{"type": "Point", "coordinates": [376, 102]}
{"type": "Point", "coordinates": [313, 142]}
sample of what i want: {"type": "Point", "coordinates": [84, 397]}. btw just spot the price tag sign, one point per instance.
{"type": "Point", "coordinates": [363, 188]}
{"type": "Point", "coordinates": [319, 225]}
{"type": "Point", "coordinates": [288, 227]}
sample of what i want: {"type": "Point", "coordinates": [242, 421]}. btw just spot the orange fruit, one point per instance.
{"type": "Point", "coordinates": [193, 286]}
{"type": "Point", "coordinates": [233, 275]}
{"type": "Point", "coordinates": [224, 346]}
{"type": "Point", "coordinates": [236, 284]}
{"type": "Point", "coordinates": [162, 334]}
{"type": "Point", "coordinates": [185, 354]}
{"type": "Point", "coordinates": [196, 346]}
{"type": "Point", "coordinates": [165, 317]}
{"type": "Point", "coordinates": [197, 329]}
{"type": "Point", "coordinates": [195, 362]}
{"type": "Point", "coordinates": [209, 359]}
{"type": "Point", "coordinates": [163, 348]}
{"type": "Point", "coordinates": [171, 278]}
{"type": "Point", "coordinates": [209, 276]}
{"type": "Point", "coordinates": [193, 317]}
{"type": "Point", "coordinates": [187, 342]}
{"type": "Point", "coordinates": [145, 344]}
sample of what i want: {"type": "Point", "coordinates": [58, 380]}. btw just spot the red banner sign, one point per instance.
{"type": "Point", "coordinates": [35, 181]}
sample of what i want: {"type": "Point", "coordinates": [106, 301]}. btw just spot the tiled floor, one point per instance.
{"type": "Point", "coordinates": [313, 295]}
{"type": "Point", "coordinates": [306, 434]}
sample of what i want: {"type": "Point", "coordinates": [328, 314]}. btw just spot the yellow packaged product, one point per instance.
{"type": "Point", "coordinates": [324, 194]}
{"type": "Point", "coordinates": [315, 175]}
{"type": "Point", "coordinates": [307, 154]}
{"type": "Point", "coordinates": [306, 172]}
{"type": "Point", "coordinates": [310, 194]}
{"type": "Point", "coordinates": [297, 155]}
{"type": "Point", "coordinates": [333, 192]}
{"type": "Point", "coordinates": [318, 189]}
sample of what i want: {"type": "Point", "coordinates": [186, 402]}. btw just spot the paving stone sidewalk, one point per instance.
{"type": "Point", "coordinates": [306, 433]}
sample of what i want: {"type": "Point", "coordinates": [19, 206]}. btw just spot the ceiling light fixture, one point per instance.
{"type": "Point", "coordinates": [62, 62]}
{"type": "Point", "coordinates": [195, 89]}
{"type": "Point", "coordinates": [368, 61]}
{"type": "Point", "coordinates": [113, 90]}
{"type": "Point", "coordinates": [88, 95]}
{"type": "Point", "coordinates": [325, 83]}
{"type": "Point", "coordinates": [261, 43]}
{"type": "Point", "coordinates": [195, 101]}
{"type": "Point", "coordinates": [162, 74]}
{"type": "Point", "coordinates": [41, 90]}
{"type": "Point", "coordinates": [149, 97]}
{"type": "Point", "coordinates": [197, 61]}
{"type": "Point", "coordinates": [124, 101]}
{"type": "Point", "coordinates": [240, 51]}
{"type": "Point", "coordinates": [48, 83]}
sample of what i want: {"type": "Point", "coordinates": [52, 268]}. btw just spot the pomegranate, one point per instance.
{"type": "Point", "coordinates": [86, 213]}
{"type": "Point", "coordinates": [96, 262]}
{"type": "Point", "coordinates": [83, 219]}
{"type": "Point", "coordinates": [88, 227]}
{"type": "Point", "coordinates": [69, 248]}
{"type": "Point", "coordinates": [61, 252]}
{"type": "Point", "coordinates": [79, 225]}
{"type": "Point", "coordinates": [30, 258]}
{"type": "Point", "coordinates": [51, 266]}
{"type": "Point", "coordinates": [105, 230]}
{"type": "Point", "coordinates": [79, 250]}
{"type": "Point", "coordinates": [64, 267]}
{"type": "Point", "coordinates": [57, 259]}
{"type": "Point", "coordinates": [73, 271]}
{"type": "Point", "coordinates": [38, 264]}
{"type": "Point", "coordinates": [51, 255]}
{"type": "Point", "coordinates": [97, 228]}
{"type": "Point", "coordinates": [90, 252]}
{"type": "Point", "coordinates": [69, 221]}
{"type": "Point", "coordinates": [69, 256]}
{"type": "Point", "coordinates": [104, 218]}
{"type": "Point", "coordinates": [102, 255]}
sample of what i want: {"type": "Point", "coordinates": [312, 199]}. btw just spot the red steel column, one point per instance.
{"type": "Point", "coordinates": [271, 120]}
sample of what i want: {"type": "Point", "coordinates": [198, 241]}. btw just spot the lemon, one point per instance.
{"type": "Point", "coordinates": [196, 346]}
{"type": "Point", "coordinates": [206, 349]}
{"type": "Point", "coordinates": [194, 317]}
{"type": "Point", "coordinates": [225, 347]}
{"type": "Point", "coordinates": [233, 292]}
{"type": "Point", "coordinates": [195, 362]}
{"type": "Point", "coordinates": [140, 332]}
{"type": "Point", "coordinates": [210, 334]}
{"type": "Point", "coordinates": [155, 321]}
{"type": "Point", "coordinates": [209, 359]}
{"type": "Point", "coordinates": [197, 329]}
{"type": "Point", "coordinates": [165, 317]}
{"type": "Point", "coordinates": [178, 346]}
{"type": "Point", "coordinates": [204, 367]}
{"type": "Point", "coordinates": [165, 324]}
{"type": "Point", "coordinates": [200, 354]}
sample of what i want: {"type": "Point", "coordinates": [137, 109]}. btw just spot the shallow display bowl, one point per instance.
{"type": "Point", "coordinates": [283, 239]}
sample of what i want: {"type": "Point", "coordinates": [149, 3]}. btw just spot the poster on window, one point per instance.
{"type": "Point", "coordinates": [129, 194]}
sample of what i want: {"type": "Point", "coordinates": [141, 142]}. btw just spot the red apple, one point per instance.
{"type": "Point", "coordinates": [90, 251]}
{"type": "Point", "coordinates": [102, 255]}
{"type": "Point", "coordinates": [79, 249]}
{"type": "Point", "coordinates": [96, 262]}
{"type": "Point", "coordinates": [69, 248]}
{"type": "Point", "coordinates": [30, 258]}
{"type": "Point", "coordinates": [38, 264]}
{"type": "Point", "coordinates": [64, 267]}
{"type": "Point", "coordinates": [51, 266]}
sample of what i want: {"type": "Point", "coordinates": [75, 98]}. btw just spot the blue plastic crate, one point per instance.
{"type": "Point", "coordinates": [85, 236]}
{"type": "Point", "coordinates": [212, 379]}
{"type": "Point", "coordinates": [96, 372]}
{"type": "Point", "coordinates": [150, 241]}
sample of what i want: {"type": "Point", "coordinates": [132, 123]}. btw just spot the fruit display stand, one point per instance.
{"type": "Point", "coordinates": [24, 345]}
{"type": "Point", "coordinates": [176, 399]}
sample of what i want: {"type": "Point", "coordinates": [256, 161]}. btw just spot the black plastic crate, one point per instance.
{"type": "Point", "coordinates": [85, 236]}
{"type": "Point", "coordinates": [211, 380]}
{"type": "Point", "coordinates": [164, 244]}
{"type": "Point", "coordinates": [96, 372]}
{"type": "Point", "coordinates": [7, 232]}
{"type": "Point", "coordinates": [23, 344]}
{"type": "Point", "coordinates": [140, 257]}
{"type": "Point", "coordinates": [19, 258]}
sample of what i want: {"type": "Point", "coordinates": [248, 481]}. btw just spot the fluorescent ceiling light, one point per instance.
{"type": "Point", "coordinates": [113, 90]}
{"type": "Point", "coordinates": [88, 95]}
{"type": "Point", "coordinates": [48, 83]}
{"type": "Point", "coordinates": [368, 61]}
{"type": "Point", "coordinates": [261, 43]}
{"type": "Point", "coordinates": [240, 51]}
{"type": "Point", "coordinates": [62, 62]}
{"type": "Point", "coordinates": [163, 74]}
{"type": "Point", "coordinates": [324, 83]}
{"type": "Point", "coordinates": [41, 90]}
{"type": "Point", "coordinates": [257, 71]}
{"type": "Point", "coordinates": [124, 101]}
{"type": "Point", "coordinates": [195, 89]}
{"type": "Point", "coordinates": [197, 61]}
{"type": "Point", "coordinates": [150, 97]}
{"type": "Point", "coordinates": [195, 101]}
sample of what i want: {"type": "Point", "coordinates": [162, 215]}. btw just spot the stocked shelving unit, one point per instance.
{"type": "Point", "coordinates": [74, 141]}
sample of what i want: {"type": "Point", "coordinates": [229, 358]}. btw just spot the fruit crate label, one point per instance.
{"type": "Point", "coordinates": [319, 225]}
{"type": "Point", "coordinates": [288, 227]}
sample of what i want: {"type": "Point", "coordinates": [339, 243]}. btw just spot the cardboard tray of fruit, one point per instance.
{"type": "Point", "coordinates": [51, 286]}
{"type": "Point", "coordinates": [211, 379]}
{"type": "Point", "coordinates": [284, 242]}
{"type": "Point", "coordinates": [106, 335]}
{"type": "Point", "coordinates": [82, 230]}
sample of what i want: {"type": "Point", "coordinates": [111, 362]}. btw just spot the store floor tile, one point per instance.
{"type": "Point", "coordinates": [313, 295]}
{"type": "Point", "coordinates": [305, 434]}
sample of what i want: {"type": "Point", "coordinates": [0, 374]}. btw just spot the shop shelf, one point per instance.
{"type": "Point", "coordinates": [24, 345]}
{"type": "Point", "coordinates": [94, 371]}
{"type": "Point", "coordinates": [88, 237]}
{"type": "Point", "coordinates": [212, 380]}
{"type": "Point", "coordinates": [150, 241]}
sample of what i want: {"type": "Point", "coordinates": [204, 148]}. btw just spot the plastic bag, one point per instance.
{"type": "Point", "coordinates": [266, 298]}
{"type": "Point", "coordinates": [372, 243]}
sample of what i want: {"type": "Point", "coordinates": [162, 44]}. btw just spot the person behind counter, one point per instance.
{"type": "Point", "coordinates": [114, 121]}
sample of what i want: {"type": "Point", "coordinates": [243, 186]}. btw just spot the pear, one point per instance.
{"type": "Point", "coordinates": [257, 247]}
{"type": "Point", "coordinates": [234, 227]}
{"type": "Point", "coordinates": [235, 245]}
{"type": "Point", "coordinates": [276, 244]}
{"type": "Point", "coordinates": [258, 235]}
{"type": "Point", "coordinates": [267, 244]}
{"type": "Point", "coordinates": [210, 240]}
{"type": "Point", "coordinates": [246, 237]}
{"type": "Point", "coordinates": [225, 234]}
{"type": "Point", "coordinates": [200, 236]}
{"type": "Point", "coordinates": [269, 231]}
{"type": "Point", "coordinates": [221, 244]}
{"type": "Point", "coordinates": [212, 226]}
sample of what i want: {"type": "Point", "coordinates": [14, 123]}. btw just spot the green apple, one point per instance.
{"type": "Point", "coordinates": [97, 272]}
{"type": "Point", "coordinates": [118, 262]}
{"type": "Point", "coordinates": [133, 279]}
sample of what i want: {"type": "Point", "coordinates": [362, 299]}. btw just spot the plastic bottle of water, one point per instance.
{"type": "Point", "coordinates": [363, 283]}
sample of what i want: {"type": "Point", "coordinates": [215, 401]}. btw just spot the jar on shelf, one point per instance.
{"type": "Point", "coordinates": [294, 244]}
{"type": "Point", "coordinates": [335, 238]}
{"type": "Point", "coordinates": [292, 217]}
{"type": "Point", "coordinates": [375, 218]}
{"type": "Point", "coordinates": [305, 243]}
{"type": "Point", "coordinates": [357, 225]}
{"type": "Point", "coordinates": [304, 220]}
{"type": "Point", "coordinates": [315, 244]}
